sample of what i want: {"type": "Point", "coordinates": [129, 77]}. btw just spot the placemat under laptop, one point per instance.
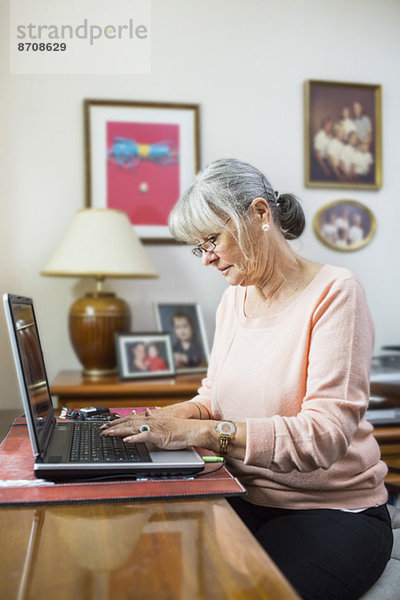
{"type": "Point", "coordinates": [18, 485]}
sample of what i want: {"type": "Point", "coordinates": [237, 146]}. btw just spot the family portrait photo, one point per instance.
{"type": "Point", "coordinates": [189, 343]}
{"type": "Point", "coordinates": [144, 355]}
{"type": "Point", "coordinates": [344, 225]}
{"type": "Point", "coordinates": [343, 135]}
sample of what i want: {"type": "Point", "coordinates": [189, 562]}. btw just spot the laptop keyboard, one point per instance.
{"type": "Point", "coordinates": [89, 446]}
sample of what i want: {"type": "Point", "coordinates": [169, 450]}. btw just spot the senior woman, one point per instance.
{"type": "Point", "coordinates": [286, 390]}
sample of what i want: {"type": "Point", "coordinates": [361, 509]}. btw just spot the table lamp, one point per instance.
{"type": "Point", "coordinates": [99, 243]}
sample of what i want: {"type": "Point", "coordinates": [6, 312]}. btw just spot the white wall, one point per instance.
{"type": "Point", "coordinates": [245, 64]}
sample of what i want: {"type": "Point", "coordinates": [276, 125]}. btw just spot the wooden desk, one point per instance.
{"type": "Point", "coordinates": [75, 391]}
{"type": "Point", "coordinates": [189, 549]}
{"type": "Point", "coordinates": [158, 550]}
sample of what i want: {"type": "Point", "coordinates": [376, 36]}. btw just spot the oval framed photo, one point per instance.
{"type": "Point", "coordinates": [344, 225]}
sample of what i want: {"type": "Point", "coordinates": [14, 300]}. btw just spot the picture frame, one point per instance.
{"type": "Point", "coordinates": [343, 135]}
{"type": "Point", "coordinates": [140, 157]}
{"type": "Point", "coordinates": [144, 355]}
{"type": "Point", "coordinates": [344, 225]}
{"type": "Point", "coordinates": [184, 323]}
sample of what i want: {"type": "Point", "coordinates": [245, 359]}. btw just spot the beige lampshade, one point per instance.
{"type": "Point", "coordinates": [100, 243]}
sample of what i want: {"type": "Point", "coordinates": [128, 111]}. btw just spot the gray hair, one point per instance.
{"type": "Point", "coordinates": [224, 192]}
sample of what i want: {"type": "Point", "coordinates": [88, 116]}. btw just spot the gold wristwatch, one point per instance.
{"type": "Point", "coordinates": [226, 431]}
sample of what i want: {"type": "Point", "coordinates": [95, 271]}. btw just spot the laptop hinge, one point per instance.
{"type": "Point", "coordinates": [46, 441]}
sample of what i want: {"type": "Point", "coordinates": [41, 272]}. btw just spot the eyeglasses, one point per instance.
{"type": "Point", "coordinates": [208, 246]}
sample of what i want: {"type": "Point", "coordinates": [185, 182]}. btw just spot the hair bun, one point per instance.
{"type": "Point", "coordinates": [291, 216]}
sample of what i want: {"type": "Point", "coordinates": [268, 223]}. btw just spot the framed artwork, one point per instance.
{"type": "Point", "coordinates": [144, 355]}
{"type": "Point", "coordinates": [185, 325]}
{"type": "Point", "coordinates": [344, 225]}
{"type": "Point", "coordinates": [343, 135]}
{"type": "Point", "coordinates": [140, 157]}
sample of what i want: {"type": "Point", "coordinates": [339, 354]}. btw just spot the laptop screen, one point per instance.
{"type": "Point", "coordinates": [32, 365]}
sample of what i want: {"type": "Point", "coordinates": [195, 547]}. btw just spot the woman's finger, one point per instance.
{"type": "Point", "coordinates": [136, 438]}
{"type": "Point", "coordinates": [129, 419]}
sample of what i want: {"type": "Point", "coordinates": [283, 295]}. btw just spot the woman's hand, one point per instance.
{"type": "Point", "coordinates": [166, 432]}
{"type": "Point", "coordinates": [171, 432]}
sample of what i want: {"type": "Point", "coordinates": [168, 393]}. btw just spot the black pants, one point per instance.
{"type": "Point", "coordinates": [326, 554]}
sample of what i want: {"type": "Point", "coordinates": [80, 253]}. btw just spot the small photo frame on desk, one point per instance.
{"type": "Point", "coordinates": [144, 355]}
{"type": "Point", "coordinates": [185, 325]}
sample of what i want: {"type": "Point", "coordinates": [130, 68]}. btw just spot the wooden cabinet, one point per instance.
{"type": "Point", "coordinates": [76, 391]}
{"type": "Point", "coordinates": [389, 442]}
{"type": "Point", "coordinates": [388, 437]}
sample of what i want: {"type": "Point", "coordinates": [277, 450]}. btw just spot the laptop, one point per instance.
{"type": "Point", "coordinates": [75, 450]}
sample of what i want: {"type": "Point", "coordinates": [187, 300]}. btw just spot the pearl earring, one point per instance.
{"type": "Point", "coordinates": [265, 227]}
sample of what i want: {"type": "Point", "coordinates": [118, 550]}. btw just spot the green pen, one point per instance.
{"type": "Point", "coordinates": [213, 459]}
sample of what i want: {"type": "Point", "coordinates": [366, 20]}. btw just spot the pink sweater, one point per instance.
{"type": "Point", "coordinates": [300, 381]}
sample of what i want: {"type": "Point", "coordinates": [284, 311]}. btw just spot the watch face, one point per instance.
{"type": "Point", "coordinates": [226, 427]}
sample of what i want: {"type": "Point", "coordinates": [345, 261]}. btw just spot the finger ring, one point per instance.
{"type": "Point", "coordinates": [144, 428]}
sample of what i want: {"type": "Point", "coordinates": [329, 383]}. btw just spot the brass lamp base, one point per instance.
{"type": "Point", "coordinates": [93, 321]}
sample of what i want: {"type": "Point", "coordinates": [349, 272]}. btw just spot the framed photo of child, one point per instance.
{"type": "Point", "coordinates": [185, 325]}
{"type": "Point", "coordinates": [343, 135]}
{"type": "Point", "coordinates": [144, 355]}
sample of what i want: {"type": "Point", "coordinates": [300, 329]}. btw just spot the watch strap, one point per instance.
{"type": "Point", "coordinates": [224, 438]}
